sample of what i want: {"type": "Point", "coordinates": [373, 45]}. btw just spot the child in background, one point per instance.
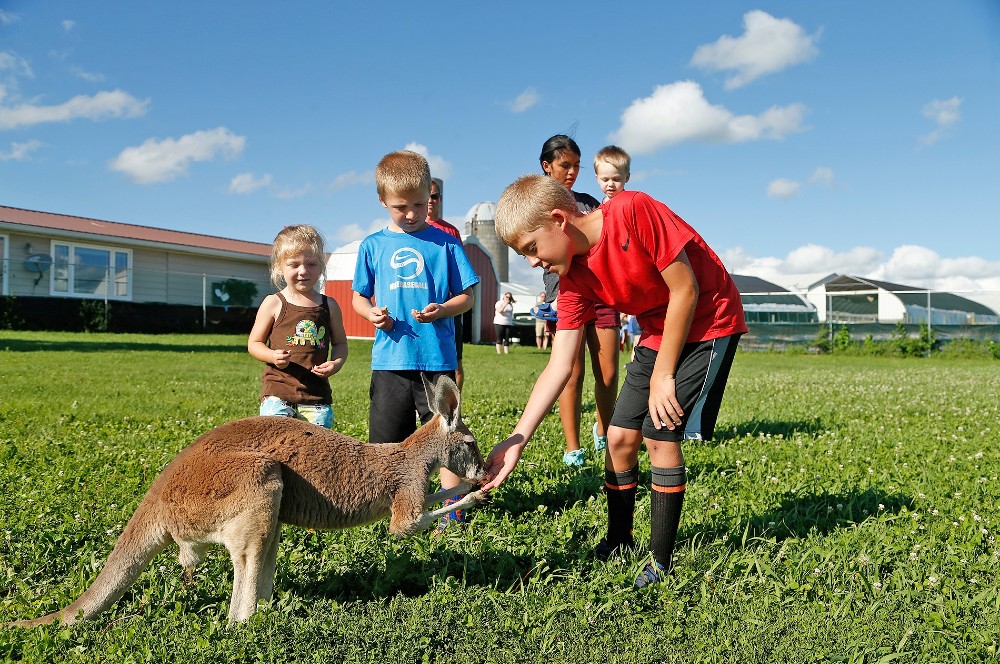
{"type": "Point", "coordinates": [632, 253]}
{"type": "Point", "coordinates": [612, 165]}
{"type": "Point", "coordinates": [299, 332]}
{"type": "Point", "coordinates": [560, 160]}
{"type": "Point", "coordinates": [410, 281]}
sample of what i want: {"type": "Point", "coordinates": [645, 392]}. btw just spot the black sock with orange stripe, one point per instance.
{"type": "Point", "coordinates": [666, 499]}
{"type": "Point", "coordinates": [620, 489]}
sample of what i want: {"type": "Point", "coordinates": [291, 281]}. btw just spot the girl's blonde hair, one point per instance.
{"type": "Point", "coordinates": [292, 240]}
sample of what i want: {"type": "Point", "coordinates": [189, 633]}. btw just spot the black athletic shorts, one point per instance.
{"type": "Point", "coordinates": [459, 333]}
{"type": "Point", "coordinates": [701, 376]}
{"type": "Point", "coordinates": [397, 399]}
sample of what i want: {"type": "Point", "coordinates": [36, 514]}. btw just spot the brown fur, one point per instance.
{"type": "Point", "coordinates": [238, 483]}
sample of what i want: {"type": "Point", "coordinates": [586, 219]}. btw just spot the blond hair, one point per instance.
{"type": "Point", "coordinates": [616, 157]}
{"type": "Point", "coordinates": [402, 172]}
{"type": "Point", "coordinates": [291, 241]}
{"type": "Point", "coordinates": [526, 203]}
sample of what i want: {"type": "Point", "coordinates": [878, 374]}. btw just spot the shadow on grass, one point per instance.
{"type": "Point", "coordinates": [755, 427]}
{"type": "Point", "coordinates": [796, 516]}
{"type": "Point", "coordinates": [404, 574]}
{"type": "Point", "coordinates": [804, 515]}
{"type": "Point", "coordinates": [84, 346]}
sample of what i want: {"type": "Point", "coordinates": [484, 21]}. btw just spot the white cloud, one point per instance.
{"type": "Point", "coordinates": [970, 276]}
{"type": "Point", "coordinates": [767, 45]}
{"type": "Point", "coordinates": [909, 265]}
{"type": "Point", "coordinates": [162, 161]}
{"type": "Point", "coordinates": [6, 18]}
{"type": "Point", "coordinates": [20, 151]}
{"type": "Point", "coordinates": [822, 176]}
{"type": "Point", "coordinates": [524, 101]}
{"type": "Point", "coordinates": [813, 258]}
{"type": "Point", "coordinates": [803, 266]}
{"type": "Point", "coordinates": [246, 183]}
{"type": "Point", "coordinates": [351, 232]}
{"type": "Point", "coordinates": [12, 68]}
{"type": "Point", "coordinates": [68, 25]}
{"type": "Point", "coordinates": [679, 112]}
{"type": "Point", "coordinates": [910, 262]}
{"type": "Point", "coordinates": [782, 188]}
{"type": "Point", "coordinates": [519, 272]}
{"type": "Point", "coordinates": [289, 194]}
{"type": "Point", "coordinates": [944, 113]}
{"type": "Point", "coordinates": [90, 77]}
{"type": "Point", "coordinates": [14, 65]}
{"type": "Point", "coordinates": [440, 168]}
{"type": "Point", "coordinates": [102, 106]}
{"type": "Point", "coordinates": [351, 179]}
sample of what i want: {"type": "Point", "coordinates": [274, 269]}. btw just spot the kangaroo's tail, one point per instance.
{"type": "Point", "coordinates": [144, 537]}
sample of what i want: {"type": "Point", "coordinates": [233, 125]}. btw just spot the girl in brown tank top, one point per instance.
{"type": "Point", "coordinates": [299, 332]}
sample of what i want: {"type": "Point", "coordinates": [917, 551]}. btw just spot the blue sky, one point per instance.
{"type": "Point", "coordinates": [799, 138]}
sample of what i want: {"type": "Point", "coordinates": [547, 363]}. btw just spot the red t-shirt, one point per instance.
{"type": "Point", "coordinates": [443, 225]}
{"type": "Point", "coordinates": [640, 238]}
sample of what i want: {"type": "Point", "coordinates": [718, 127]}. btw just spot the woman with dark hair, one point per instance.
{"type": "Point", "coordinates": [560, 160]}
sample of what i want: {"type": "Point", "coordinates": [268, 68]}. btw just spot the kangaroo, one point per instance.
{"type": "Point", "coordinates": [237, 484]}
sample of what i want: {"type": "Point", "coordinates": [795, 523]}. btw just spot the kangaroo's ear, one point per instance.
{"type": "Point", "coordinates": [443, 398]}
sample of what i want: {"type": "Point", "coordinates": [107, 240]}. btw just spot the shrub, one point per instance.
{"type": "Point", "coordinates": [842, 340]}
{"type": "Point", "coordinates": [822, 340]}
{"type": "Point", "coordinates": [94, 315]}
{"type": "Point", "coordinates": [10, 317]}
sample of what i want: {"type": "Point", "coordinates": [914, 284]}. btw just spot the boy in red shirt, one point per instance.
{"type": "Point", "coordinates": [636, 255]}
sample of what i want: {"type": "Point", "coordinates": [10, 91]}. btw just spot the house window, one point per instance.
{"type": "Point", "coordinates": [89, 271]}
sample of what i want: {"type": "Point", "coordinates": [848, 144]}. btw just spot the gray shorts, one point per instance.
{"type": "Point", "coordinates": [701, 376]}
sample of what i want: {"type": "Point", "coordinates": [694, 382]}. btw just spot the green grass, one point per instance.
{"type": "Point", "coordinates": [846, 512]}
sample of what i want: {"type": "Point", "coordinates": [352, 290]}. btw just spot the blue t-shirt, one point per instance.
{"type": "Point", "coordinates": [406, 271]}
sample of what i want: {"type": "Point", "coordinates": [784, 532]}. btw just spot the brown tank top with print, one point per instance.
{"type": "Point", "coordinates": [305, 333]}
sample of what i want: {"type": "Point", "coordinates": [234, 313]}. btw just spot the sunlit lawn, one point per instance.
{"type": "Point", "coordinates": [845, 512]}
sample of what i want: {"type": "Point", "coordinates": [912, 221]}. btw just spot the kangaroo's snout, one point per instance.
{"type": "Point", "coordinates": [466, 460]}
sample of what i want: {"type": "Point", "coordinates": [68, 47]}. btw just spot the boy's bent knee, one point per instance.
{"type": "Point", "coordinates": [623, 442]}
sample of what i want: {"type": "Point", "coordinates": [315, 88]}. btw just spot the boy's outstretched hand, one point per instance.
{"type": "Point", "coordinates": [502, 460]}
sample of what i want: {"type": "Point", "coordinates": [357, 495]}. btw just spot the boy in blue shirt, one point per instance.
{"type": "Point", "coordinates": [410, 281]}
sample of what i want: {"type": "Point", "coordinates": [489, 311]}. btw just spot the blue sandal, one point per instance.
{"type": "Point", "coordinates": [600, 442]}
{"type": "Point", "coordinates": [573, 458]}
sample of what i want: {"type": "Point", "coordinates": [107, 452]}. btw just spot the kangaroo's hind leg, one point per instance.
{"type": "Point", "coordinates": [251, 536]}
{"type": "Point", "coordinates": [265, 580]}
